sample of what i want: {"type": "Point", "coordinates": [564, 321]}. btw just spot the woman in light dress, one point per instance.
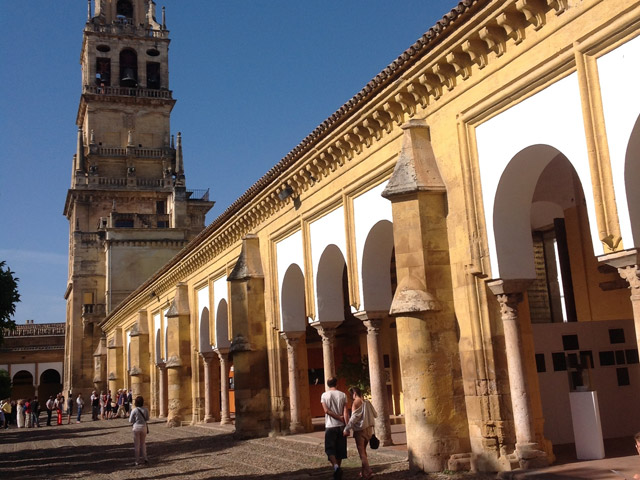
{"type": "Point", "coordinates": [139, 417]}
{"type": "Point", "coordinates": [21, 415]}
{"type": "Point", "coordinates": [362, 423]}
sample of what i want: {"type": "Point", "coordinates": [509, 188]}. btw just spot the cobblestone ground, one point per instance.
{"type": "Point", "coordinates": [104, 450]}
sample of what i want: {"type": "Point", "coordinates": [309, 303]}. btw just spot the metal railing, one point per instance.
{"type": "Point", "coordinates": [200, 194]}
{"type": "Point", "coordinates": [127, 91]}
{"type": "Point", "coordinates": [133, 151]}
{"type": "Point", "coordinates": [125, 27]}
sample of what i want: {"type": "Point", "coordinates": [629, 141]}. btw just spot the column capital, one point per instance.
{"type": "Point", "coordinates": [292, 337]}
{"type": "Point", "coordinates": [371, 314]}
{"type": "Point", "coordinates": [328, 334]}
{"type": "Point", "coordinates": [161, 365]}
{"type": "Point", "coordinates": [624, 258]}
{"type": "Point", "coordinates": [208, 356]}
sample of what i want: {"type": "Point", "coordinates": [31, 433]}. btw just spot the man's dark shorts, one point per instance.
{"type": "Point", "coordinates": [335, 443]}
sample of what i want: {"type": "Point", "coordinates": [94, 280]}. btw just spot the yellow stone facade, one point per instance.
{"type": "Point", "coordinates": [421, 225]}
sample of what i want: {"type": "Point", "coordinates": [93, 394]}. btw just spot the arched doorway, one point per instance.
{"type": "Point", "coordinates": [378, 286]}
{"type": "Point", "coordinates": [293, 330]}
{"type": "Point", "coordinates": [50, 385]}
{"type": "Point", "coordinates": [22, 385]}
{"type": "Point", "coordinates": [543, 236]}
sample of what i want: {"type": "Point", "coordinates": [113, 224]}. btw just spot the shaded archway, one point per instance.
{"type": "Point", "coordinates": [511, 213]}
{"type": "Point", "coordinates": [292, 302]}
{"type": "Point", "coordinates": [50, 385]}
{"type": "Point", "coordinates": [205, 341]}
{"type": "Point", "coordinates": [22, 385]}
{"type": "Point", "coordinates": [329, 294]}
{"type": "Point", "coordinates": [378, 283]}
{"type": "Point", "coordinates": [631, 180]}
{"type": "Point", "coordinates": [376, 267]}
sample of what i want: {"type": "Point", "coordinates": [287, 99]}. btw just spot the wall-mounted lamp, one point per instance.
{"type": "Point", "coordinates": [285, 193]}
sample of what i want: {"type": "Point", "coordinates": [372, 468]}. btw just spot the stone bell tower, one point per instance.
{"type": "Point", "coordinates": [128, 207]}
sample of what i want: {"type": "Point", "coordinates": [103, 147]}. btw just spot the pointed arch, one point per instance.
{"type": "Point", "coordinates": [631, 180]}
{"type": "Point", "coordinates": [205, 342]}
{"type": "Point", "coordinates": [292, 304]}
{"type": "Point", "coordinates": [329, 295]}
{"type": "Point", "coordinates": [376, 263]}
{"type": "Point", "coordinates": [222, 325]}
{"type": "Point", "coordinates": [512, 211]}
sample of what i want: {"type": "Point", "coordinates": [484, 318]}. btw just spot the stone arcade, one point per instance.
{"type": "Point", "coordinates": [469, 221]}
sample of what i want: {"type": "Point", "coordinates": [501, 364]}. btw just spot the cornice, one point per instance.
{"type": "Point", "coordinates": [419, 78]}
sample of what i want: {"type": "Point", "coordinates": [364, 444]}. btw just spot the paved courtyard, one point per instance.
{"type": "Point", "coordinates": [104, 449]}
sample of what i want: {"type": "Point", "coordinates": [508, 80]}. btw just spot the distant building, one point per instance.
{"type": "Point", "coordinates": [33, 354]}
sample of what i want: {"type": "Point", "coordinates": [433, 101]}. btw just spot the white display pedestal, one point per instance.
{"type": "Point", "coordinates": [587, 429]}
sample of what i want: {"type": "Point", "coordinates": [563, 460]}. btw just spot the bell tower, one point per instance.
{"type": "Point", "coordinates": [128, 207]}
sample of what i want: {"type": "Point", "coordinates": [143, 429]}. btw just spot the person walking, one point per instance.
{"type": "Point", "coordinates": [59, 405]}
{"type": "Point", "coordinates": [69, 407]}
{"type": "Point", "coordinates": [95, 406]}
{"type": "Point", "coordinates": [20, 414]}
{"type": "Point", "coordinates": [336, 415]}
{"type": "Point", "coordinates": [35, 412]}
{"type": "Point", "coordinates": [27, 414]}
{"type": "Point", "coordinates": [6, 409]}
{"type": "Point", "coordinates": [49, 405]}
{"type": "Point", "coordinates": [125, 401]}
{"type": "Point", "coordinates": [80, 402]}
{"type": "Point", "coordinates": [362, 424]}
{"type": "Point", "coordinates": [139, 417]}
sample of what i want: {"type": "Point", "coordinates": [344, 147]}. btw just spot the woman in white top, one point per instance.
{"type": "Point", "coordinates": [362, 423]}
{"type": "Point", "coordinates": [139, 417]}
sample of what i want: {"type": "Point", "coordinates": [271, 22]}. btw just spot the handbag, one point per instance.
{"type": "Point", "coordinates": [374, 442]}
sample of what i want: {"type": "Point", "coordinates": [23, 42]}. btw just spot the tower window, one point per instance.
{"type": "Point", "coordinates": [128, 68]}
{"type": "Point", "coordinates": [124, 9]}
{"type": "Point", "coordinates": [103, 71]}
{"type": "Point", "coordinates": [153, 75]}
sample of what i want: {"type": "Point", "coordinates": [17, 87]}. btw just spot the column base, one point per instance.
{"type": "Point", "coordinates": [208, 419]}
{"type": "Point", "coordinates": [295, 428]}
{"type": "Point", "coordinates": [530, 455]}
{"type": "Point", "coordinates": [225, 421]}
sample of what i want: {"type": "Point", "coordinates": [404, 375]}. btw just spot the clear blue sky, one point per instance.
{"type": "Point", "coordinates": [251, 79]}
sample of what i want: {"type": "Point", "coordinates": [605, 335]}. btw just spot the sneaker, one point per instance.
{"type": "Point", "coordinates": [136, 464]}
{"type": "Point", "coordinates": [337, 474]}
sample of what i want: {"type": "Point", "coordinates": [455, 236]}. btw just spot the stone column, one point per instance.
{"type": "Point", "coordinates": [223, 355]}
{"type": "Point", "coordinates": [249, 344]}
{"type": "Point", "coordinates": [140, 374]}
{"type": "Point", "coordinates": [628, 264]}
{"type": "Point", "coordinates": [328, 334]}
{"type": "Point", "coordinates": [293, 340]}
{"type": "Point", "coordinates": [162, 390]}
{"type": "Point", "coordinates": [100, 366]}
{"type": "Point", "coordinates": [178, 358]}
{"type": "Point", "coordinates": [509, 295]}
{"type": "Point", "coordinates": [435, 414]}
{"type": "Point", "coordinates": [377, 375]}
{"type": "Point", "coordinates": [114, 362]}
{"type": "Point", "coordinates": [208, 357]}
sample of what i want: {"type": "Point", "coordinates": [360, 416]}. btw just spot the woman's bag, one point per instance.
{"type": "Point", "coordinates": [374, 443]}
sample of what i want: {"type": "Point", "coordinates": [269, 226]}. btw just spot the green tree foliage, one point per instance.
{"type": "Point", "coordinates": [356, 373]}
{"type": "Point", "coordinates": [9, 296]}
{"type": "Point", "coordinates": [5, 384]}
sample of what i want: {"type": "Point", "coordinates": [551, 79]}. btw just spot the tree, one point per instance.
{"type": "Point", "coordinates": [5, 384]}
{"type": "Point", "coordinates": [356, 373]}
{"type": "Point", "coordinates": [9, 296]}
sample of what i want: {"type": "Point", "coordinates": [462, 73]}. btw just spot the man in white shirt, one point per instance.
{"type": "Point", "coordinates": [336, 416]}
{"type": "Point", "coordinates": [49, 405]}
